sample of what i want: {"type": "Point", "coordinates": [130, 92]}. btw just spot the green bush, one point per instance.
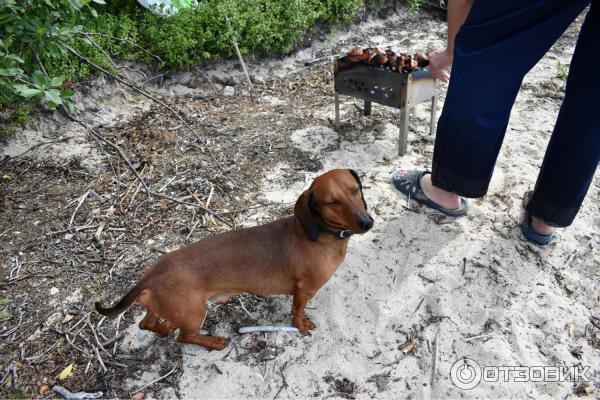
{"type": "Point", "coordinates": [206, 32]}
{"type": "Point", "coordinates": [31, 33]}
{"type": "Point", "coordinates": [336, 11]}
{"type": "Point", "coordinates": [45, 29]}
{"type": "Point", "coordinates": [416, 4]}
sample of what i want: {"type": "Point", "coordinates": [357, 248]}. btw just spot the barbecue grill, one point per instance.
{"type": "Point", "coordinates": [400, 90]}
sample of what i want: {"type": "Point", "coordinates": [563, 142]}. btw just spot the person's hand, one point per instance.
{"type": "Point", "coordinates": [439, 62]}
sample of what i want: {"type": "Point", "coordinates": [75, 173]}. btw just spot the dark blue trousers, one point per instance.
{"type": "Point", "coordinates": [498, 44]}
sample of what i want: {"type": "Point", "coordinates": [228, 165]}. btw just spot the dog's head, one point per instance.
{"type": "Point", "coordinates": [334, 203]}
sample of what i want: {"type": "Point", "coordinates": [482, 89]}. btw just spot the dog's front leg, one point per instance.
{"type": "Point", "coordinates": [301, 296]}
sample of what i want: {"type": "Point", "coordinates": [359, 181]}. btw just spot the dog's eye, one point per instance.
{"type": "Point", "coordinates": [355, 191]}
{"type": "Point", "coordinates": [332, 203]}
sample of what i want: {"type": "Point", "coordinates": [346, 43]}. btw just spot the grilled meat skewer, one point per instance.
{"type": "Point", "coordinates": [400, 62]}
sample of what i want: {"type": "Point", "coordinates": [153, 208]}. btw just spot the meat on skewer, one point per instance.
{"type": "Point", "coordinates": [378, 59]}
{"type": "Point", "coordinates": [356, 54]}
{"type": "Point", "coordinates": [400, 62]}
{"type": "Point", "coordinates": [391, 57]}
{"type": "Point", "coordinates": [422, 59]}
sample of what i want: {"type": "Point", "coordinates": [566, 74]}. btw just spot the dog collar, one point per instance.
{"type": "Point", "coordinates": [341, 235]}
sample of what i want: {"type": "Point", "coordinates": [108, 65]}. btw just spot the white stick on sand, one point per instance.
{"type": "Point", "coordinates": [251, 329]}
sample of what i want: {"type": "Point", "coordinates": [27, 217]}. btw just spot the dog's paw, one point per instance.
{"type": "Point", "coordinates": [308, 324]}
{"type": "Point", "coordinates": [304, 325]}
{"type": "Point", "coordinates": [218, 342]}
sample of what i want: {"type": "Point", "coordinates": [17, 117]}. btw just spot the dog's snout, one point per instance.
{"type": "Point", "coordinates": [366, 222]}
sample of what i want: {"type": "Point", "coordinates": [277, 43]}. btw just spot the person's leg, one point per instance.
{"type": "Point", "coordinates": [573, 153]}
{"type": "Point", "coordinates": [498, 44]}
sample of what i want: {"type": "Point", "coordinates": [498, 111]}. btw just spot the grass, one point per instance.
{"type": "Point", "coordinates": [17, 115]}
{"type": "Point", "coordinates": [415, 4]}
{"type": "Point", "coordinates": [562, 71]}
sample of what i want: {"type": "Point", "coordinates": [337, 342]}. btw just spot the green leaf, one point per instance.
{"type": "Point", "coordinates": [67, 93]}
{"type": "Point", "coordinates": [5, 19]}
{"type": "Point", "coordinates": [5, 314]}
{"type": "Point", "coordinates": [57, 81]}
{"type": "Point", "coordinates": [94, 13]}
{"type": "Point", "coordinates": [10, 71]}
{"type": "Point", "coordinates": [26, 91]}
{"type": "Point", "coordinates": [70, 106]}
{"type": "Point", "coordinates": [39, 79]}
{"type": "Point", "coordinates": [99, 2]}
{"type": "Point", "coordinates": [15, 58]}
{"type": "Point", "coordinates": [53, 97]}
{"type": "Point", "coordinates": [3, 301]}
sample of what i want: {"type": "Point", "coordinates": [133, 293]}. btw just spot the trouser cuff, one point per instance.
{"type": "Point", "coordinates": [551, 213]}
{"type": "Point", "coordinates": [463, 186]}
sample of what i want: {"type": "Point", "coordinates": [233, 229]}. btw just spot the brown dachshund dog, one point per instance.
{"type": "Point", "coordinates": [294, 255]}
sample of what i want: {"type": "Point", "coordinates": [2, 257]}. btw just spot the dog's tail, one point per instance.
{"type": "Point", "coordinates": [122, 305]}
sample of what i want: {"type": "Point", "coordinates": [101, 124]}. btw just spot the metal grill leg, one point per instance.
{"type": "Point", "coordinates": [367, 107]}
{"type": "Point", "coordinates": [337, 112]}
{"type": "Point", "coordinates": [433, 121]}
{"type": "Point", "coordinates": [403, 138]}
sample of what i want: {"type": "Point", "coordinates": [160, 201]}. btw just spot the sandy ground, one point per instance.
{"type": "Point", "coordinates": [418, 274]}
{"type": "Point", "coordinates": [421, 275]}
{"type": "Point", "coordinates": [469, 287]}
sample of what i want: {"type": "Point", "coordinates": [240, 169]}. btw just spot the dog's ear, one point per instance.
{"type": "Point", "coordinates": [355, 175]}
{"type": "Point", "coordinates": [303, 211]}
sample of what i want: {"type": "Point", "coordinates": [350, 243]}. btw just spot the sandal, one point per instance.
{"type": "Point", "coordinates": [410, 184]}
{"type": "Point", "coordinates": [527, 229]}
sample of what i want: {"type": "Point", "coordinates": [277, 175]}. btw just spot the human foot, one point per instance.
{"type": "Point", "coordinates": [534, 229]}
{"type": "Point", "coordinates": [411, 184]}
{"type": "Point", "coordinates": [439, 196]}
{"type": "Point", "coordinates": [540, 227]}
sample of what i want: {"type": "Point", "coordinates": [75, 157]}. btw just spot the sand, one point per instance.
{"type": "Point", "coordinates": [419, 274]}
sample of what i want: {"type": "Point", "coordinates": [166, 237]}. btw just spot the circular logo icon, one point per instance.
{"type": "Point", "coordinates": [465, 374]}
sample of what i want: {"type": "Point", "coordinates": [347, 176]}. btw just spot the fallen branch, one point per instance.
{"type": "Point", "coordinates": [63, 139]}
{"type": "Point", "coordinates": [244, 308]}
{"type": "Point", "coordinates": [32, 360]}
{"type": "Point", "coordinates": [156, 380]}
{"type": "Point", "coordinates": [239, 54]}
{"type": "Point", "coordinates": [137, 46]}
{"type": "Point", "coordinates": [100, 359]}
{"type": "Point", "coordinates": [109, 216]}
{"type": "Point", "coordinates": [466, 339]}
{"type": "Point", "coordinates": [110, 144]}
{"type": "Point", "coordinates": [68, 395]}
{"type": "Point", "coordinates": [79, 203]}
{"type": "Point", "coordinates": [284, 384]}
{"type": "Point", "coordinates": [419, 305]}
{"type": "Point", "coordinates": [113, 340]}
{"type": "Point", "coordinates": [200, 206]}
{"type": "Point", "coordinates": [91, 326]}
{"type": "Point", "coordinates": [108, 57]}
{"type": "Point", "coordinates": [436, 356]}
{"type": "Point", "coordinates": [119, 335]}
{"type": "Point", "coordinates": [192, 230]}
